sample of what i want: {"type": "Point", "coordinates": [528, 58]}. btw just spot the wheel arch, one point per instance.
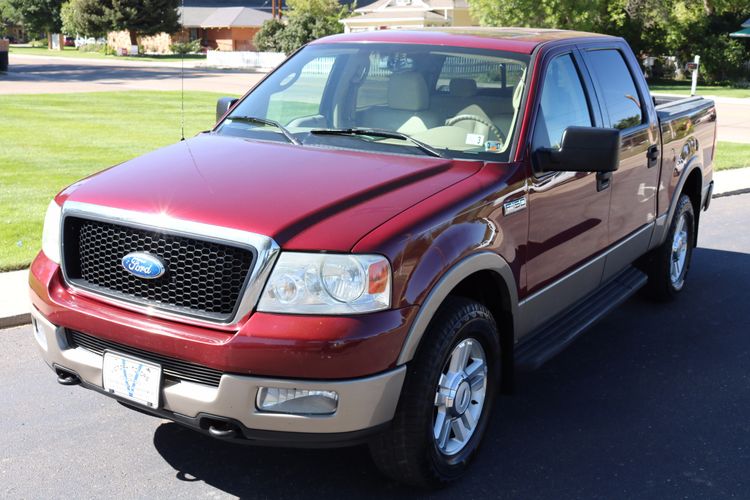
{"type": "Point", "coordinates": [485, 277]}
{"type": "Point", "coordinates": [690, 183]}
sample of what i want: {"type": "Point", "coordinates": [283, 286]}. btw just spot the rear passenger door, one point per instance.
{"type": "Point", "coordinates": [624, 106]}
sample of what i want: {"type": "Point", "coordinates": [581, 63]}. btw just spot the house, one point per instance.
{"type": "Point", "coordinates": [400, 14]}
{"type": "Point", "coordinates": [225, 25]}
{"type": "Point", "coordinates": [744, 32]}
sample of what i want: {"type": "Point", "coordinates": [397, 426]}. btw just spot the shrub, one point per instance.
{"type": "Point", "coordinates": [186, 47]}
{"type": "Point", "coordinates": [92, 47]}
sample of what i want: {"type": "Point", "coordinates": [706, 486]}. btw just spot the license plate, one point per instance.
{"type": "Point", "coordinates": [132, 379]}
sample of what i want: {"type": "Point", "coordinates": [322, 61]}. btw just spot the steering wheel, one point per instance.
{"type": "Point", "coordinates": [478, 119]}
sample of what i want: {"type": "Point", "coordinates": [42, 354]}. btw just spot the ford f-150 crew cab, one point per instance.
{"type": "Point", "coordinates": [368, 243]}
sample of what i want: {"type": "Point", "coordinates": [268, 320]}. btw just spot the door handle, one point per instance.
{"type": "Point", "coordinates": [653, 156]}
{"type": "Point", "coordinates": [603, 180]}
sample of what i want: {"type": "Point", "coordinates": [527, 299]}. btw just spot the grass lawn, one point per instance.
{"type": "Point", "coordinates": [73, 52]}
{"type": "Point", "coordinates": [683, 88]}
{"type": "Point", "coordinates": [731, 155]}
{"type": "Point", "coordinates": [51, 140]}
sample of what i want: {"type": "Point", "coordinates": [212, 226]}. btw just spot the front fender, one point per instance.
{"type": "Point", "coordinates": [483, 261]}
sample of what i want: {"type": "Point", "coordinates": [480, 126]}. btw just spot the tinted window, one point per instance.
{"type": "Point", "coordinates": [563, 103]}
{"type": "Point", "coordinates": [616, 82]}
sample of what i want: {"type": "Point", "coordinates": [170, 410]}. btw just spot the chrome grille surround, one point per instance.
{"type": "Point", "coordinates": [265, 249]}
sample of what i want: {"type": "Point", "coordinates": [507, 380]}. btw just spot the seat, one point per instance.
{"type": "Point", "coordinates": [407, 108]}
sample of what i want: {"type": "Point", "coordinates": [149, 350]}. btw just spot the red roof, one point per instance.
{"type": "Point", "coordinates": [522, 40]}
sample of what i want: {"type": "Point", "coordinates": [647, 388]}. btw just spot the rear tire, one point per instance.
{"type": "Point", "coordinates": [668, 265]}
{"type": "Point", "coordinates": [447, 397]}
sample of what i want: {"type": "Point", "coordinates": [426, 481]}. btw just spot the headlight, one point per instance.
{"type": "Point", "coordinates": [51, 232]}
{"type": "Point", "coordinates": [313, 283]}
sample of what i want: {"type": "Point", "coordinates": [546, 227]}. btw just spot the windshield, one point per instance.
{"type": "Point", "coordinates": [461, 102]}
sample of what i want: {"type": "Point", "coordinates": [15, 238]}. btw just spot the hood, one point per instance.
{"type": "Point", "coordinates": [306, 198]}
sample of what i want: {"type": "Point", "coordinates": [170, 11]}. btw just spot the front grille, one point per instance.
{"type": "Point", "coordinates": [203, 278]}
{"type": "Point", "coordinates": [173, 369]}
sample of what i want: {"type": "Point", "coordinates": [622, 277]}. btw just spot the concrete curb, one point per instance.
{"type": "Point", "coordinates": [17, 320]}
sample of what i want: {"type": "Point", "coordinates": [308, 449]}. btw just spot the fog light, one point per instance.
{"type": "Point", "coordinates": [39, 335]}
{"type": "Point", "coordinates": [297, 401]}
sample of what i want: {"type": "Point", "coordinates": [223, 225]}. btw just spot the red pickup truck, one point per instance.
{"type": "Point", "coordinates": [368, 244]}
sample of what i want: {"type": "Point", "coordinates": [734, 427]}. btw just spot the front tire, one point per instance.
{"type": "Point", "coordinates": [669, 263]}
{"type": "Point", "coordinates": [446, 400]}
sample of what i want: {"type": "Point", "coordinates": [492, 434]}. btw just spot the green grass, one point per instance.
{"type": "Point", "coordinates": [683, 88]}
{"type": "Point", "coordinates": [51, 140]}
{"type": "Point", "coordinates": [73, 52]}
{"type": "Point", "coordinates": [731, 155]}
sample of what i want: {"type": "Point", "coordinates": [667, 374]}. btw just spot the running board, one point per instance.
{"type": "Point", "coordinates": [559, 332]}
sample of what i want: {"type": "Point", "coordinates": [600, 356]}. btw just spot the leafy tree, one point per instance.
{"type": "Point", "coordinates": [306, 20]}
{"type": "Point", "coordinates": [268, 38]}
{"type": "Point", "coordinates": [8, 16]}
{"type": "Point", "coordinates": [39, 16]}
{"type": "Point", "coordinates": [144, 17]}
{"type": "Point", "coordinates": [86, 17]}
{"type": "Point", "coordinates": [652, 27]}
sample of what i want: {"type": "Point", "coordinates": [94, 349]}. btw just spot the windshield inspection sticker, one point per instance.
{"type": "Point", "coordinates": [493, 146]}
{"type": "Point", "coordinates": [474, 139]}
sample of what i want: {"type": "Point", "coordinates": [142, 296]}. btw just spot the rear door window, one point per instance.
{"type": "Point", "coordinates": [618, 90]}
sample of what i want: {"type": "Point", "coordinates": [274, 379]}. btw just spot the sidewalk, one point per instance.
{"type": "Point", "coordinates": [14, 296]}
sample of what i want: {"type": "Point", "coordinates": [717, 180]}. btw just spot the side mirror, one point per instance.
{"type": "Point", "coordinates": [223, 105]}
{"type": "Point", "coordinates": [583, 149]}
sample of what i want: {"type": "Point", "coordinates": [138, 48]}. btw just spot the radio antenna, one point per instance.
{"type": "Point", "coordinates": [182, 75]}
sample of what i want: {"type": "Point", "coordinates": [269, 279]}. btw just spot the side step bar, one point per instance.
{"type": "Point", "coordinates": [563, 329]}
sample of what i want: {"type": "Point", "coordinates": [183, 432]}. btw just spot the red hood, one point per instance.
{"type": "Point", "coordinates": [306, 198]}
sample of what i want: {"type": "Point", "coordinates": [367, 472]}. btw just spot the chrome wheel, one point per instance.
{"type": "Point", "coordinates": [680, 243]}
{"type": "Point", "coordinates": [460, 396]}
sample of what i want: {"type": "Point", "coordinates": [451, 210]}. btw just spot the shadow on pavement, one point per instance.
{"type": "Point", "coordinates": [650, 402]}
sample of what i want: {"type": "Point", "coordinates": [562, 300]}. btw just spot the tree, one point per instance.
{"type": "Point", "coordinates": [268, 38]}
{"type": "Point", "coordinates": [40, 16]}
{"type": "Point", "coordinates": [85, 17]}
{"type": "Point", "coordinates": [306, 20]}
{"type": "Point", "coordinates": [8, 16]}
{"type": "Point", "coordinates": [144, 17]}
{"type": "Point", "coordinates": [679, 28]}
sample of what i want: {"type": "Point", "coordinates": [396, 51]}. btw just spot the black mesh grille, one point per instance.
{"type": "Point", "coordinates": [173, 369]}
{"type": "Point", "coordinates": [202, 278]}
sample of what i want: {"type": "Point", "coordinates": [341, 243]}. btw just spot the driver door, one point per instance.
{"type": "Point", "coordinates": [568, 210]}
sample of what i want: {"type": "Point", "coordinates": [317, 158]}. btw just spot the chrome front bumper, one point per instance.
{"type": "Point", "coordinates": [363, 403]}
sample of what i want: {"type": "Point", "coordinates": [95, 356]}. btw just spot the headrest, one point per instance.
{"type": "Point", "coordinates": [463, 87]}
{"type": "Point", "coordinates": [407, 91]}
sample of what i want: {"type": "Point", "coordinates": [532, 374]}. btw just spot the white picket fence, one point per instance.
{"type": "Point", "coordinates": [244, 60]}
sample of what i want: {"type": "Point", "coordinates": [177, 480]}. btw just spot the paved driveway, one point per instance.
{"type": "Point", "coordinates": [653, 402]}
{"type": "Point", "coordinates": [42, 75]}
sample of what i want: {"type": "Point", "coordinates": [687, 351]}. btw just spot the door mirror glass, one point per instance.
{"type": "Point", "coordinates": [582, 149]}
{"type": "Point", "coordinates": [223, 105]}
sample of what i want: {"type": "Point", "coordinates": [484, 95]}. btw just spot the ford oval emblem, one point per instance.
{"type": "Point", "coordinates": [144, 265]}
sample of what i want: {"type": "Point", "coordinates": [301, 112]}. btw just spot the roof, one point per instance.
{"type": "Point", "coordinates": [387, 5]}
{"type": "Point", "coordinates": [235, 17]}
{"type": "Point", "coordinates": [222, 17]}
{"type": "Point", "coordinates": [400, 15]}
{"type": "Point", "coordinates": [746, 24]}
{"type": "Point", "coordinates": [743, 33]}
{"type": "Point", "coordinates": [521, 40]}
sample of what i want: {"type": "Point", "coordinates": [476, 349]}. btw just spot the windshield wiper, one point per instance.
{"type": "Point", "coordinates": [270, 123]}
{"type": "Point", "coordinates": [376, 132]}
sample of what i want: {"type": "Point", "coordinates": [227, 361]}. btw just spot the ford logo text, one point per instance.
{"type": "Point", "coordinates": [144, 265]}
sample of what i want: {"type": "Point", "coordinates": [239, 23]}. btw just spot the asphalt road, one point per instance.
{"type": "Point", "coordinates": [653, 402]}
{"type": "Point", "coordinates": [42, 75]}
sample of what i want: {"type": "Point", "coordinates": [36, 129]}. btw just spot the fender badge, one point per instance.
{"type": "Point", "coordinates": [513, 206]}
